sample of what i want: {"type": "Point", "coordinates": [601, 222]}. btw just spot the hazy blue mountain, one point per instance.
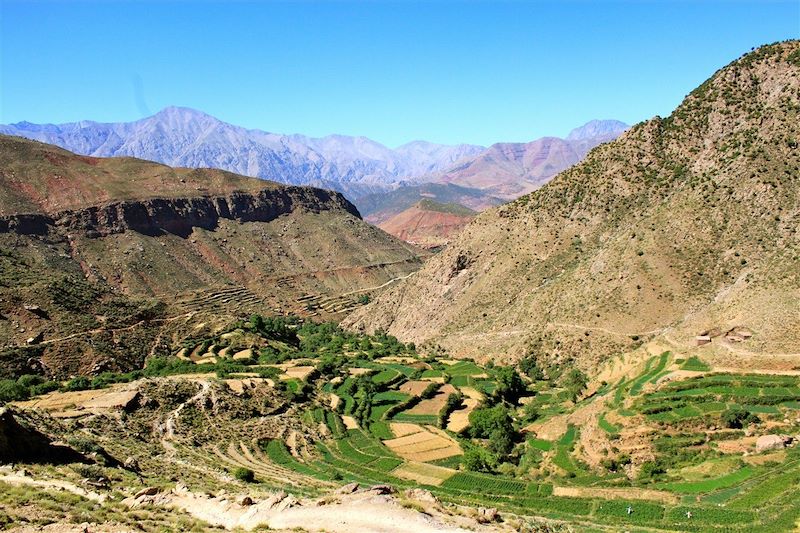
{"type": "Point", "coordinates": [356, 166]}
{"type": "Point", "coordinates": [597, 129]}
{"type": "Point", "coordinates": [179, 136]}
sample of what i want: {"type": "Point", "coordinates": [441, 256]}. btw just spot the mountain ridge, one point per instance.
{"type": "Point", "coordinates": [184, 137]}
{"type": "Point", "coordinates": [684, 225]}
{"type": "Point", "coordinates": [103, 258]}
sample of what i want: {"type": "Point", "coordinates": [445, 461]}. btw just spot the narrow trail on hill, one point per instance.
{"type": "Point", "coordinates": [507, 332]}
{"type": "Point", "coordinates": [111, 330]}
{"type": "Point", "coordinates": [167, 428]}
{"type": "Point", "coordinates": [379, 286]}
{"type": "Point", "coordinates": [732, 349]}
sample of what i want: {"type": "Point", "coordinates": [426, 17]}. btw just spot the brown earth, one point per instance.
{"type": "Point", "coordinates": [426, 227]}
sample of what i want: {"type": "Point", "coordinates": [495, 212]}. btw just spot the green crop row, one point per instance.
{"type": "Point", "coordinates": [484, 483]}
{"type": "Point", "coordinates": [708, 485]}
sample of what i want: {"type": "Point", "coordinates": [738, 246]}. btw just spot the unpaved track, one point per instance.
{"type": "Point", "coordinates": [15, 479]}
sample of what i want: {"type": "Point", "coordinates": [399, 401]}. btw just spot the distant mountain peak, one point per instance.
{"type": "Point", "coordinates": [598, 128]}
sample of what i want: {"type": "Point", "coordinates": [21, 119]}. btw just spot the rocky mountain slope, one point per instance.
{"type": "Point", "coordinates": [184, 137]}
{"type": "Point", "coordinates": [429, 224]}
{"type": "Point", "coordinates": [509, 170]}
{"type": "Point", "coordinates": [103, 259]}
{"type": "Point", "coordinates": [685, 225]}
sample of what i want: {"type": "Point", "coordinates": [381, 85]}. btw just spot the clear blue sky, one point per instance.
{"type": "Point", "coordinates": [444, 71]}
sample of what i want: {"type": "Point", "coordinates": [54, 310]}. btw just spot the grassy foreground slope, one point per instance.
{"type": "Point", "coordinates": [684, 225]}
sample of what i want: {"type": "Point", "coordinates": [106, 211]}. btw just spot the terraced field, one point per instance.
{"type": "Point", "coordinates": [393, 450]}
{"type": "Point", "coordinates": [659, 449]}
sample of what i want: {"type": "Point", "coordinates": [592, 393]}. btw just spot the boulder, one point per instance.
{"type": "Point", "coordinates": [246, 501]}
{"type": "Point", "coordinates": [487, 514]}
{"type": "Point", "coordinates": [771, 442]}
{"type": "Point", "coordinates": [347, 489]}
{"type": "Point", "coordinates": [382, 489]}
{"type": "Point", "coordinates": [148, 491]}
{"type": "Point", "coordinates": [287, 502]}
{"type": "Point", "coordinates": [421, 495]}
{"type": "Point", "coordinates": [274, 500]}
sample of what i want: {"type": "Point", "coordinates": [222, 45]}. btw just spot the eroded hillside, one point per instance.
{"type": "Point", "coordinates": [105, 259]}
{"type": "Point", "coordinates": [686, 225]}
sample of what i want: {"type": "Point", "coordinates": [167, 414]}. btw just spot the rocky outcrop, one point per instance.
{"type": "Point", "coordinates": [178, 215]}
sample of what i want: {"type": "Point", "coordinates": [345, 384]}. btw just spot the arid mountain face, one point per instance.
{"type": "Point", "coordinates": [429, 224]}
{"type": "Point", "coordinates": [509, 170]}
{"type": "Point", "coordinates": [684, 225]}
{"type": "Point", "coordinates": [99, 256]}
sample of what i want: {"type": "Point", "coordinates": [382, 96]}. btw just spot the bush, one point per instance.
{"type": "Point", "coordinates": [738, 418]}
{"type": "Point", "coordinates": [244, 474]}
{"type": "Point", "coordinates": [11, 391]}
{"type": "Point", "coordinates": [78, 383]}
{"type": "Point", "coordinates": [651, 469]}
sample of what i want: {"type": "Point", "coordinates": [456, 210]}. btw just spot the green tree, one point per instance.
{"type": "Point", "coordinates": [737, 418]}
{"type": "Point", "coordinates": [477, 459]}
{"type": "Point", "coordinates": [530, 367]}
{"type": "Point", "coordinates": [11, 391]}
{"type": "Point", "coordinates": [510, 386]}
{"type": "Point", "coordinates": [575, 382]}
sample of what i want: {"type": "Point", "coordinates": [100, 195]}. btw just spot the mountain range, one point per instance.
{"type": "Point", "coordinates": [356, 166]}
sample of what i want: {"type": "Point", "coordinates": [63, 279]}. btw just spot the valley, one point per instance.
{"type": "Point", "coordinates": [260, 423]}
{"type": "Point", "coordinates": [256, 331]}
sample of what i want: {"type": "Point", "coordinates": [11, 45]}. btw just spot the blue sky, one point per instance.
{"type": "Point", "coordinates": [445, 71]}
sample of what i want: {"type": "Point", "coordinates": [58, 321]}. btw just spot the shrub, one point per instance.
{"type": "Point", "coordinates": [78, 383]}
{"type": "Point", "coordinates": [244, 474]}
{"type": "Point", "coordinates": [651, 469]}
{"type": "Point", "coordinates": [11, 391]}
{"type": "Point", "coordinates": [737, 418]}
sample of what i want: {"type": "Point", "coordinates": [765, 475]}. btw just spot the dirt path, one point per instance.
{"type": "Point", "coordinates": [617, 494]}
{"type": "Point", "coordinates": [604, 330]}
{"type": "Point", "coordinates": [111, 330]}
{"type": "Point", "coordinates": [379, 286]}
{"type": "Point", "coordinates": [167, 428]}
{"type": "Point", "coordinates": [16, 479]}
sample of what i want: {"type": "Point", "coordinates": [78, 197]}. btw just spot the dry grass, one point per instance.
{"type": "Point", "coordinates": [424, 444]}
{"type": "Point", "coordinates": [423, 473]}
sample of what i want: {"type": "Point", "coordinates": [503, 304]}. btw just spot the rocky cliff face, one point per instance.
{"type": "Point", "coordinates": [179, 216]}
